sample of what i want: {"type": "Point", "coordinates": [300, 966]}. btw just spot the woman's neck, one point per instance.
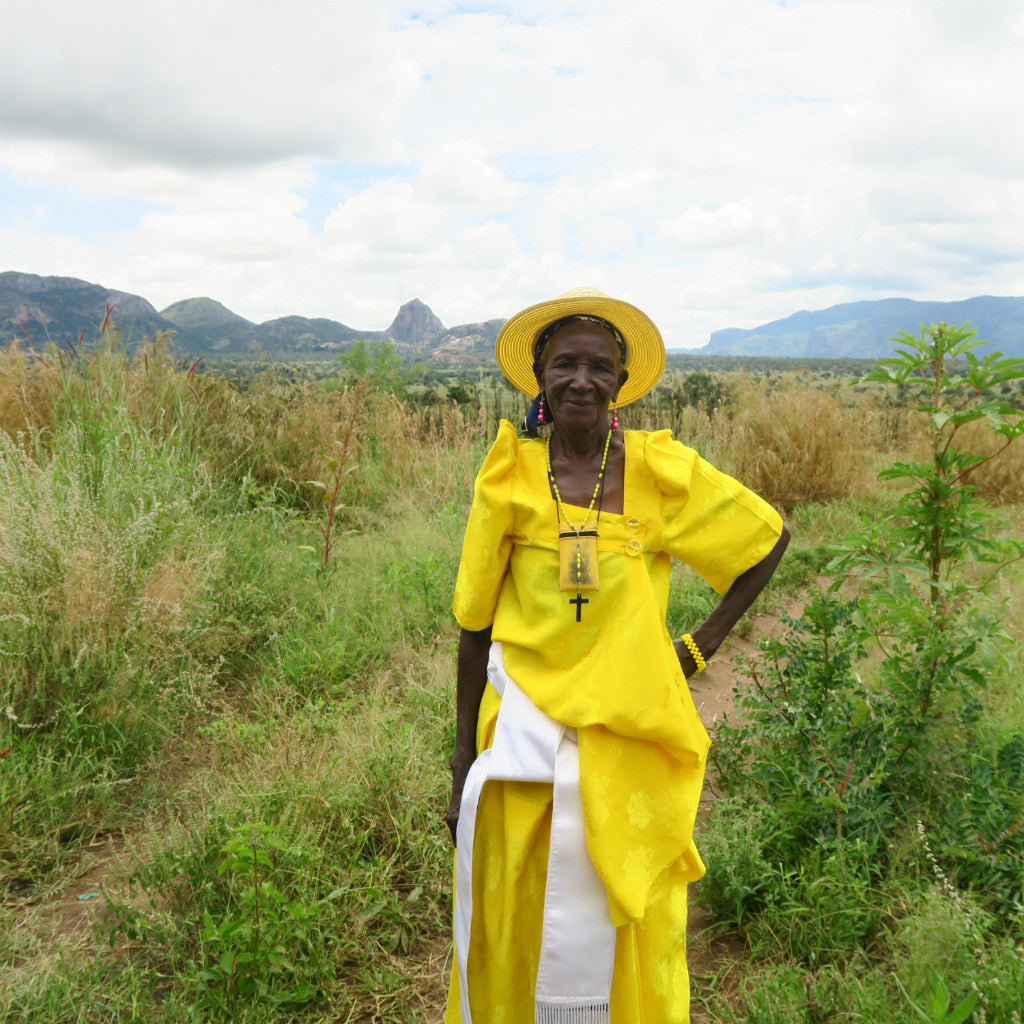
{"type": "Point", "coordinates": [576, 458]}
{"type": "Point", "coordinates": [579, 444]}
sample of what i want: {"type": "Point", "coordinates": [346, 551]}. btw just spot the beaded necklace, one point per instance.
{"type": "Point", "coordinates": [577, 549]}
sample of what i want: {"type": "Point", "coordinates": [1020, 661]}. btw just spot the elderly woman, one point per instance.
{"type": "Point", "coordinates": [579, 755]}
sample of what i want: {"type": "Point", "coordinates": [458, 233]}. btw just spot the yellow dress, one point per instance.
{"type": "Point", "coordinates": [615, 678]}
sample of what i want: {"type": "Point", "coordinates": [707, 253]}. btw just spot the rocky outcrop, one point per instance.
{"type": "Point", "coordinates": [414, 324]}
{"type": "Point", "coordinates": [468, 344]}
{"type": "Point", "coordinates": [60, 309]}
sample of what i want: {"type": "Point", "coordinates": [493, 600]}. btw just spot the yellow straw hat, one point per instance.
{"type": "Point", "coordinates": [645, 350]}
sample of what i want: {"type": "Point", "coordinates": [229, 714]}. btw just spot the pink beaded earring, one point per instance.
{"type": "Point", "coordinates": [540, 409]}
{"type": "Point", "coordinates": [615, 417]}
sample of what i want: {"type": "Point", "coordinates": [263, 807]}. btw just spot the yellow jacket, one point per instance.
{"type": "Point", "coordinates": [614, 675]}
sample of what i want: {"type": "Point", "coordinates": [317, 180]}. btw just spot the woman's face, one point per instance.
{"type": "Point", "coordinates": [581, 374]}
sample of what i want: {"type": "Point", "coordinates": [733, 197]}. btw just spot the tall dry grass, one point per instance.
{"type": "Point", "coordinates": [791, 441]}
{"type": "Point", "coordinates": [794, 444]}
{"type": "Point", "coordinates": [80, 580]}
{"type": "Point", "coordinates": [98, 485]}
{"type": "Point", "coordinates": [277, 433]}
{"type": "Point", "coordinates": [1000, 479]}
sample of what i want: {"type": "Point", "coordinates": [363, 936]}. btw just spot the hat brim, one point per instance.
{"type": "Point", "coordinates": [645, 349]}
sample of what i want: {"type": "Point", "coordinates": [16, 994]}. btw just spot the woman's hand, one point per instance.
{"type": "Point", "coordinates": [451, 816]}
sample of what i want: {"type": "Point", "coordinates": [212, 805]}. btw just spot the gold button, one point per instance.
{"type": "Point", "coordinates": [634, 547]}
{"type": "Point", "coordinates": [633, 525]}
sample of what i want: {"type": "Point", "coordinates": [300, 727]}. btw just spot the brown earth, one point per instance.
{"type": "Point", "coordinates": [64, 916]}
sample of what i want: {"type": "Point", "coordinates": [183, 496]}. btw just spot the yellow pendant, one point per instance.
{"type": "Point", "coordinates": [577, 561]}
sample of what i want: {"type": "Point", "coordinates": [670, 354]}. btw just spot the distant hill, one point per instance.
{"type": "Point", "coordinates": [468, 345]}
{"type": "Point", "coordinates": [42, 310]}
{"type": "Point", "coordinates": [863, 329]}
{"type": "Point", "coordinates": [211, 322]}
{"type": "Point", "coordinates": [38, 310]}
{"type": "Point", "coordinates": [204, 325]}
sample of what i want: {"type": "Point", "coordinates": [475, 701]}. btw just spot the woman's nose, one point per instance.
{"type": "Point", "coordinates": [581, 378]}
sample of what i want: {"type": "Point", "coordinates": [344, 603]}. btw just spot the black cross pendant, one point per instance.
{"type": "Point", "coordinates": [579, 600]}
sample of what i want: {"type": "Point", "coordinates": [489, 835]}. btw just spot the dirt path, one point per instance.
{"type": "Point", "coordinates": [63, 917]}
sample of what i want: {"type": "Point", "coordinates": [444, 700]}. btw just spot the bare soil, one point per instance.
{"type": "Point", "coordinates": [64, 915]}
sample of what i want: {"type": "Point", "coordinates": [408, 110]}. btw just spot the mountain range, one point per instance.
{"type": "Point", "coordinates": [40, 310]}
{"type": "Point", "coordinates": [63, 310]}
{"type": "Point", "coordinates": [863, 329]}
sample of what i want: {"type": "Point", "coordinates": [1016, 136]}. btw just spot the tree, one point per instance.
{"type": "Point", "coordinates": [376, 364]}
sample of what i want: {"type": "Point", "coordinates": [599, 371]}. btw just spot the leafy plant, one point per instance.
{"type": "Point", "coordinates": [867, 709]}
{"type": "Point", "coordinates": [338, 468]}
{"type": "Point", "coordinates": [251, 934]}
{"type": "Point", "coordinates": [377, 364]}
{"type": "Point", "coordinates": [262, 947]}
{"type": "Point", "coordinates": [943, 519]}
{"type": "Point", "coordinates": [938, 1003]}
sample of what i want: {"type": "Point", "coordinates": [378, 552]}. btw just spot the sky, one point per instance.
{"type": "Point", "coordinates": [720, 163]}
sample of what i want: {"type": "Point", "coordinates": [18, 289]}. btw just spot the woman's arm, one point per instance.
{"type": "Point", "coordinates": [469, 688]}
{"type": "Point", "coordinates": [711, 634]}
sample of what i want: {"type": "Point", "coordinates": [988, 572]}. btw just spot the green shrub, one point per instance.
{"type": "Point", "coordinates": [868, 713]}
{"type": "Point", "coordinates": [293, 887]}
{"type": "Point", "coordinates": [736, 845]}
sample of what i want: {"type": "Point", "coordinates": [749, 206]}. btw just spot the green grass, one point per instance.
{"type": "Point", "coordinates": [258, 743]}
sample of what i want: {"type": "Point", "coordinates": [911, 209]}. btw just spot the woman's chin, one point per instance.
{"type": "Point", "coordinates": [581, 418]}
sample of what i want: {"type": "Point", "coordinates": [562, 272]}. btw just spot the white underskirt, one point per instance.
{"type": "Point", "coordinates": [574, 974]}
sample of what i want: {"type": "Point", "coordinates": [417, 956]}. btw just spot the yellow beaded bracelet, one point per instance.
{"type": "Point", "coordinates": [698, 658]}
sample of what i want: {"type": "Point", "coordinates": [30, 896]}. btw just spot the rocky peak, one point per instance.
{"type": "Point", "coordinates": [34, 284]}
{"type": "Point", "coordinates": [414, 323]}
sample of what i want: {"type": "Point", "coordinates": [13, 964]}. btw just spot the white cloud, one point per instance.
{"type": "Point", "coordinates": [460, 173]}
{"type": "Point", "coordinates": [491, 245]}
{"type": "Point", "coordinates": [728, 225]}
{"type": "Point", "coordinates": [609, 239]}
{"type": "Point", "coordinates": [387, 217]}
{"type": "Point", "coordinates": [236, 230]}
{"type": "Point", "coordinates": [202, 82]}
{"type": "Point", "coordinates": [720, 164]}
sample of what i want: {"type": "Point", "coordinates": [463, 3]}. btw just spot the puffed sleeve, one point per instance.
{"type": "Point", "coordinates": [488, 541]}
{"type": "Point", "coordinates": [710, 521]}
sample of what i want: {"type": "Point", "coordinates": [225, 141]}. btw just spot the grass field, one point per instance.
{"type": "Point", "coordinates": [227, 661]}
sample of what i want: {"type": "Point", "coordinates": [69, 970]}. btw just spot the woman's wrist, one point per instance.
{"type": "Point", "coordinates": [708, 638]}
{"type": "Point", "coordinates": [695, 652]}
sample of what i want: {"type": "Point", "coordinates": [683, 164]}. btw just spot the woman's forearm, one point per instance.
{"type": "Point", "coordinates": [470, 681]}
{"type": "Point", "coordinates": [471, 678]}
{"type": "Point", "coordinates": [711, 634]}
